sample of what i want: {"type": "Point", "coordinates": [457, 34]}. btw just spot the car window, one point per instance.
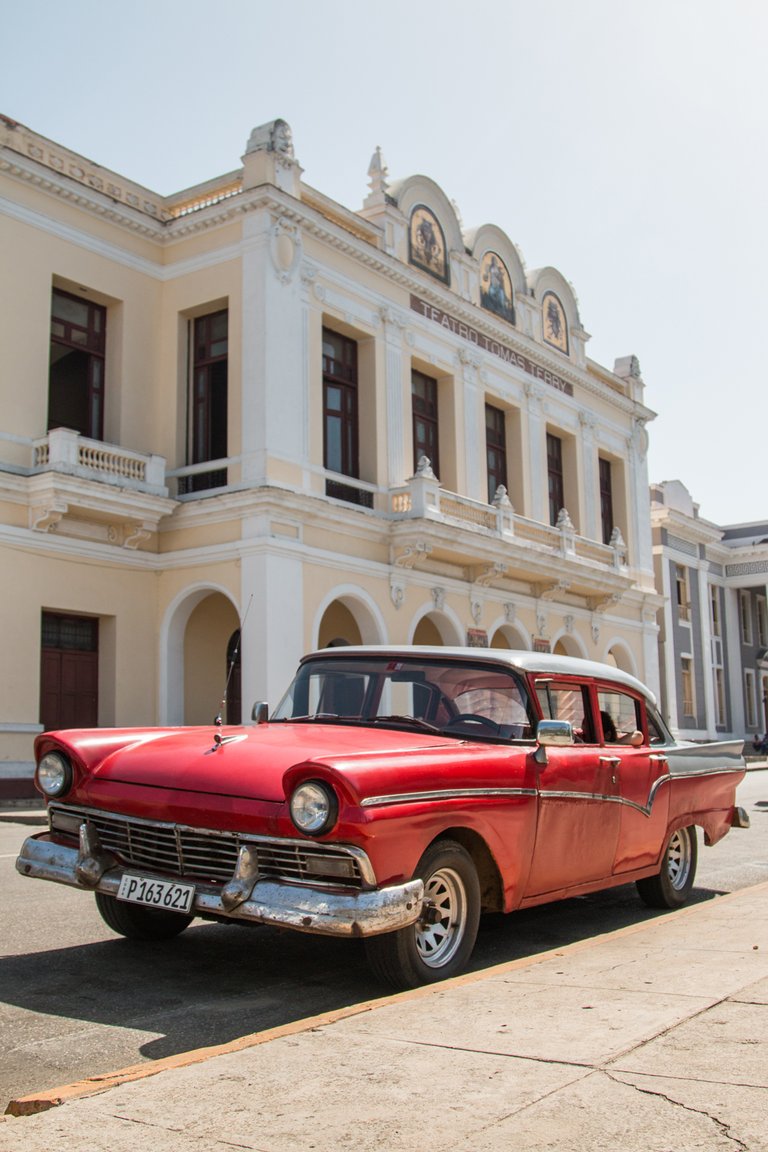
{"type": "Point", "coordinates": [462, 699]}
{"type": "Point", "coordinates": [620, 716]}
{"type": "Point", "coordinates": [568, 702]}
{"type": "Point", "coordinates": [657, 731]}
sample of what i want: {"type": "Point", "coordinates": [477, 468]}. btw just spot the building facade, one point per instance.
{"type": "Point", "coordinates": [243, 421]}
{"type": "Point", "coordinates": [713, 640]}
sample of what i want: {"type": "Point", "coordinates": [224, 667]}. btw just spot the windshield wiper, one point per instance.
{"type": "Point", "coordinates": [411, 721]}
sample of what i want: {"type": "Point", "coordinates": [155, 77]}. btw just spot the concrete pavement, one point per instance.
{"type": "Point", "coordinates": [650, 1039]}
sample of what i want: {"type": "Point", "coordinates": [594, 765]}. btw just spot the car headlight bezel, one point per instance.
{"type": "Point", "coordinates": [314, 807]}
{"type": "Point", "coordinates": [54, 774]}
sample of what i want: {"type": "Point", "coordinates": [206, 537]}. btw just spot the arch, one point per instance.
{"type": "Point", "coordinates": [348, 614]}
{"type": "Point", "coordinates": [436, 626]}
{"type": "Point", "coordinates": [548, 282]}
{"type": "Point", "coordinates": [420, 192]}
{"type": "Point", "coordinates": [486, 242]}
{"type": "Point", "coordinates": [509, 636]}
{"type": "Point", "coordinates": [569, 644]}
{"type": "Point", "coordinates": [173, 650]}
{"type": "Point", "coordinates": [619, 654]}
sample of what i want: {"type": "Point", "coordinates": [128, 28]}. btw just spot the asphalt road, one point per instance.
{"type": "Point", "coordinates": [75, 1000]}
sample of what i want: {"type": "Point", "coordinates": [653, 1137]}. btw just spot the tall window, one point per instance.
{"type": "Point", "coordinates": [606, 500]}
{"type": "Point", "coordinates": [762, 622]}
{"type": "Point", "coordinates": [686, 683]}
{"type": "Point", "coordinates": [76, 372]}
{"type": "Point", "coordinates": [745, 617]}
{"type": "Point", "coordinates": [682, 593]}
{"type": "Point", "coordinates": [209, 397]}
{"type": "Point", "coordinates": [750, 707]}
{"type": "Point", "coordinates": [340, 417]}
{"type": "Point", "coordinates": [495, 449]}
{"type": "Point", "coordinates": [425, 428]}
{"type": "Point", "coordinates": [69, 671]}
{"type": "Point", "coordinates": [555, 476]}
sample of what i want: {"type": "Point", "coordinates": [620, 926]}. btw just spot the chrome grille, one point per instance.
{"type": "Point", "coordinates": [177, 850]}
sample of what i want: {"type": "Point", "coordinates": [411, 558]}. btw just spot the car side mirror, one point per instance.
{"type": "Point", "coordinates": [260, 712]}
{"type": "Point", "coordinates": [552, 734]}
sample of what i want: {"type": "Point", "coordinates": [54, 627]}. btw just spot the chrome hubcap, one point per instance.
{"type": "Point", "coordinates": [679, 858]}
{"type": "Point", "coordinates": [439, 935]}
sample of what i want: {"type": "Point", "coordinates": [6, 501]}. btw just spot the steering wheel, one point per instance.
{"type": "Point", "coordinates": [474, 718]}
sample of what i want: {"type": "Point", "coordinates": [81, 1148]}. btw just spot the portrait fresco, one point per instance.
{"type": "Point", "coordinates": [426, 243]}
{"type": "Point", "coordinates": [496, 287]}
{"type": "Point", "coordinates": [553, 322]}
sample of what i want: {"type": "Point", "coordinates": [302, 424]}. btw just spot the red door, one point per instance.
{"type": "Point", "coordinates": [69, 672]}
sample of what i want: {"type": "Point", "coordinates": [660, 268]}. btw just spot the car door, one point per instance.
{"type": "Point", "coordinates": [641, 768]}
{"type": "Point", "coordinates": [578, 815]}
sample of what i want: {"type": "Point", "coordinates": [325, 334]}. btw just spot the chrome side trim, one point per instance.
{"type": "Point", "coordinates": [543, 794]}
{"type": "Point", "coordinates": [443, 794]}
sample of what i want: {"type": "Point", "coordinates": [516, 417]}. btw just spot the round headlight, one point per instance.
{"type": "Point", "coordinates": [314, 807]}
{"type": "Point", "coordinates": [54, 774]}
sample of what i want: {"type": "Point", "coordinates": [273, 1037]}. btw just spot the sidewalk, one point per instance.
{"type": "Point", "coordinates": [650, 1039]}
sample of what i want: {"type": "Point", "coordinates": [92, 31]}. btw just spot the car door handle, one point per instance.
{"type": "Point", "coordinates": [611, 762]}
{"type": "Point", "coordinates": [658, 758]}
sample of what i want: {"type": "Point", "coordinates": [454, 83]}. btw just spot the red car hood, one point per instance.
{"type": "Point", "coordinates": [248, 762]}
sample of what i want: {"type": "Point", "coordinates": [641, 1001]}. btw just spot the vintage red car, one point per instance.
{"type": "Point", "coordinates": [394, 794]}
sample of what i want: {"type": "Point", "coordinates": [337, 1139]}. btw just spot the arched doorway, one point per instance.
{"type": "Point", "coordinates": [338, 626]}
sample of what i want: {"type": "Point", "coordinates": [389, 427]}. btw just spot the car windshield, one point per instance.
{"type": "Point", "coordinates": [449, 697]}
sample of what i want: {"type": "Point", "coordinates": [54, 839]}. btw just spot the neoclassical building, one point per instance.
{"type": "Point", "coordinates": [713, 639]}
{"type": "Point", "coordinates": [244, 421]}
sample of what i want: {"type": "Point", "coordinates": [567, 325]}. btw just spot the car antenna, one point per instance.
{"type": "Point", "coordinates": [219, 718]}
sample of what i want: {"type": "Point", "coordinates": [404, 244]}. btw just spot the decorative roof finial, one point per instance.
{"type": "Point", "coordinates": [378, 172]}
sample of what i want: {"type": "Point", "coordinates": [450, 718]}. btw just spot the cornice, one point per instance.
{"type": "Point", "coordinates": [167, 231]}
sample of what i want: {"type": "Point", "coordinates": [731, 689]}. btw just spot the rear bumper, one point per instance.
{"type": "Point", "coordinates": [322, 911]}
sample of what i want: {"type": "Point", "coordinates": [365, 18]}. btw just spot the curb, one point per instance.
{"type": "Point", "coordinates": [37, 1102]}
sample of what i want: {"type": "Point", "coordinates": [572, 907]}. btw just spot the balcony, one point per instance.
{"type": "Point", "coordinates": [66, 452]}
{"type": "Point", "coordinates": [86, 488]}
{"type": "Point", "coordinates": [490, 543]}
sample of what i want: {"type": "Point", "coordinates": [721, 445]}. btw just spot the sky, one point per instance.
{"type": "Point", "coordinates": [623, 143]}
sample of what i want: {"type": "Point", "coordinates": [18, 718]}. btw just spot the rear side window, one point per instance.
{"type": "Point", "coordinates": [620, 716]}
{"type": "Point", "coordinates": [567, 702]}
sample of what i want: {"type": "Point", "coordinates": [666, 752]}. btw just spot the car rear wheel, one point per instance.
{"type": "Point", "coordinates": [140, 923]}
{"type": "Point", "coordinates": [439, 944]}
{"type": "Point", "coordinates": [672, 885]}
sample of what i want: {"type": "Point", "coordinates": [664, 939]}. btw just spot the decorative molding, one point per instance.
{"type": "Point", "coordinates": [46, 517]}
{"type": "Point", "coordinates": [490, 573]}
{"type": "Point", "coordinates": [410, 554]}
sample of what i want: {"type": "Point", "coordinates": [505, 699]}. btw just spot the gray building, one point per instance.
{"type": "Point", "coordinates": [713, 632]}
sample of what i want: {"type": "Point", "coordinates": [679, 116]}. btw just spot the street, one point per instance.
{"type": "Point", "coordinates": [77, 1001]}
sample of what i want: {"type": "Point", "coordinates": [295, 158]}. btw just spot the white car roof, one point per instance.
{"type": "Point", "coordinates": [519, 659]}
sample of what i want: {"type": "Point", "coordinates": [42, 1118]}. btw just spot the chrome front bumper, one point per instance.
{"type": "Point", "coordinates": [317, 910]}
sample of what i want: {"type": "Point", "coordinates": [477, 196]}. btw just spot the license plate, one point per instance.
{"type": "Point", "coordinates": [156, 893]}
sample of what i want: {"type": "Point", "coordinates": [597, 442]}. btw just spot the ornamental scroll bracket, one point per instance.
{"type": "Point", "coordinates": [551, 591]}
{"type": "Point", "coordinates": [410, 554]}
{"type": "Point", "coordinates": [47, 517]}
{"type": "Point", "coordinates": [602, 604]}
{"type": "Point", "coordinates": [485, 576]}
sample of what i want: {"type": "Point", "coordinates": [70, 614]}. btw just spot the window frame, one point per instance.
{"type": "Point", "coordinates": [425, 411]}
{"type": "Point", "coordinates": [341, 373]}
{"type": "Point", "coordinates": [555, 477]}
{"type": "Point", "coordinates": [92, 343]}
{"type": "Point", "coordinates": [605, 483]}
{"type": "Point", "coordinates": [496, 472]}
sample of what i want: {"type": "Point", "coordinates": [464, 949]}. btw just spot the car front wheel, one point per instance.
{"type": "Point", "coordinates": [140, 923]}
{"type": "Point", "coordinates": [439, 944]}
{"type": "Point", "coordinates": [671, 886]}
